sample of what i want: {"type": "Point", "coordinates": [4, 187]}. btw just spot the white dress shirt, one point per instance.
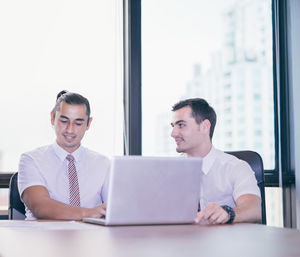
{"type": "Point", "coordinates": [47, 166]}
{"type": "Point", "coordinates": [225, 178]}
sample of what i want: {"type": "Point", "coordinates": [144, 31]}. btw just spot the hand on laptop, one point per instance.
{"type": "Point", "coordinates": [97, 212]}
{"type": "Point", "coordinates": [212, 214]}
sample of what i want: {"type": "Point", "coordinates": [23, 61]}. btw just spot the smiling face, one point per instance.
{"type": "Point", "coordinates": [70, 123]}
{"type": "Point", "coordinates": [191, 138]}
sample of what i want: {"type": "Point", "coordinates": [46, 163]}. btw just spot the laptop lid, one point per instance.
{"type": "Point", "coordinates": [153, 190]}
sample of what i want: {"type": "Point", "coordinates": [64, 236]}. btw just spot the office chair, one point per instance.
{"type": "Point", "coordinates": [16, 208]}
{"type": "Point", "coordinates": [256, 163]}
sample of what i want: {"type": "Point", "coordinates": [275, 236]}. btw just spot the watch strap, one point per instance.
{"type": "Point", "coordinates": [230, 212]}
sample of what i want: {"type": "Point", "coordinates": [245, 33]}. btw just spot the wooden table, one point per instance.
{"type": "Point", "coordinates": [240, 240]}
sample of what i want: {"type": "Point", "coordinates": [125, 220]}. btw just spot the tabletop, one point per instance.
{"type": "Point", "coordinates": [78, 239]}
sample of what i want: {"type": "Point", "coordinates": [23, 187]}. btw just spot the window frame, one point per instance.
{"type": "Point", "coordinates": [282, 174]}
{"type": "Point", "coordinates": [132, 77]}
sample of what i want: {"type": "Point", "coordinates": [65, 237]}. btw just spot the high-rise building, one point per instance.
{"type": "Point", "coordinates": [238, 82]}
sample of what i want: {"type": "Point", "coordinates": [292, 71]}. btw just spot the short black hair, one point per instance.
{"type": "Point", "coordinates": [201, 111]}
{"type": "Point", "coordinates": [73, 99]}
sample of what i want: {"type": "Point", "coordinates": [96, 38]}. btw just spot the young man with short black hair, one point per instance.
{"type": "Point", "coordinates": [229, 191]}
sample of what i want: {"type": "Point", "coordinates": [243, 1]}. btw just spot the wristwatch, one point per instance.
{"type": "Point", "coordinates": [230, 212]}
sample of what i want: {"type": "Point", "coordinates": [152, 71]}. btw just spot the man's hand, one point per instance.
{"type": "Point", "coordinates": [248, 209]}
{"type": "Point", "coordinates": [212, 214]}
{"type": "Point", "coordinates": [97, 212]}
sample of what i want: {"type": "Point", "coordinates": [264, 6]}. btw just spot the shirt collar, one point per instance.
{"type": "Point", "coordinates": [62, 154]}
{"type": "Point", "coordinates": [208, 160]}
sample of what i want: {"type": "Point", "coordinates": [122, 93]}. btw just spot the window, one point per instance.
{"type": "Point", "coordinates": [47, 46]}
{"type": "Point", "coordinates": [217, 50]}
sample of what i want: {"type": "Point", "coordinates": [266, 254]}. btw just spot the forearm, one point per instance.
{"type": "Point", "coordinates": [38, 200]}
{"type": "Point", "coordinates": [248, 209]}
{"type": "Point", "coordinates": [52, 209]}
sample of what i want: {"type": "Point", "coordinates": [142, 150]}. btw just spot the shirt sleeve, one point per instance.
{"type": "Point", "coordinates": [244, 180]}
{"type": "Point", "coordinates": [28, 174]}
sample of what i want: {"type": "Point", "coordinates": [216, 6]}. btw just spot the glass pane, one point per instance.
{"type": "Point", "coordinates": [47, 46]}
{"type": "Point", "coordinates": [217, 50]}
{"type": "Point", "coordinates": [274, 206]}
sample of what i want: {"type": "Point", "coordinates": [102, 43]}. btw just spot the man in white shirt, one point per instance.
{"type": "Point", "coordinates": [65, 180]}
{"type": "Point", "coordinates": [229, 191]}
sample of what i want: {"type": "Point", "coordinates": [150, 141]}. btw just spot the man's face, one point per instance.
{"type": "Point", "coordinates": [70, 124]}
{"type": "Point", "coordinates": [189, 136]}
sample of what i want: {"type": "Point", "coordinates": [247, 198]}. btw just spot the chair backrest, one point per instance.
{"type": "Point", "coordinates": [256, 163]}
{"type": "Point", "coordinates": [16, 208]}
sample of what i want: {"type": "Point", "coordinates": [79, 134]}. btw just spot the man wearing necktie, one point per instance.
{"type": "Point", "coordinates": [65, 180]}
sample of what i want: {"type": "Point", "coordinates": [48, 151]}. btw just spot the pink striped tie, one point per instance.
{"type": "Point", "coordinates": [73, 182]}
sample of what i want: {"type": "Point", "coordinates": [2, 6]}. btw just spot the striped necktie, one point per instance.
{"type": "Point", "coordinates": [73, 182]}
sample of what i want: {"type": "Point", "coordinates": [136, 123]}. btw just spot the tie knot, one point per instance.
{"type": "Point", "coordinates": [70, 157]}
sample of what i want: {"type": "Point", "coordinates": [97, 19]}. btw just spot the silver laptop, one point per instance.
{"type": "Point", "coordinates": [152, 190]}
